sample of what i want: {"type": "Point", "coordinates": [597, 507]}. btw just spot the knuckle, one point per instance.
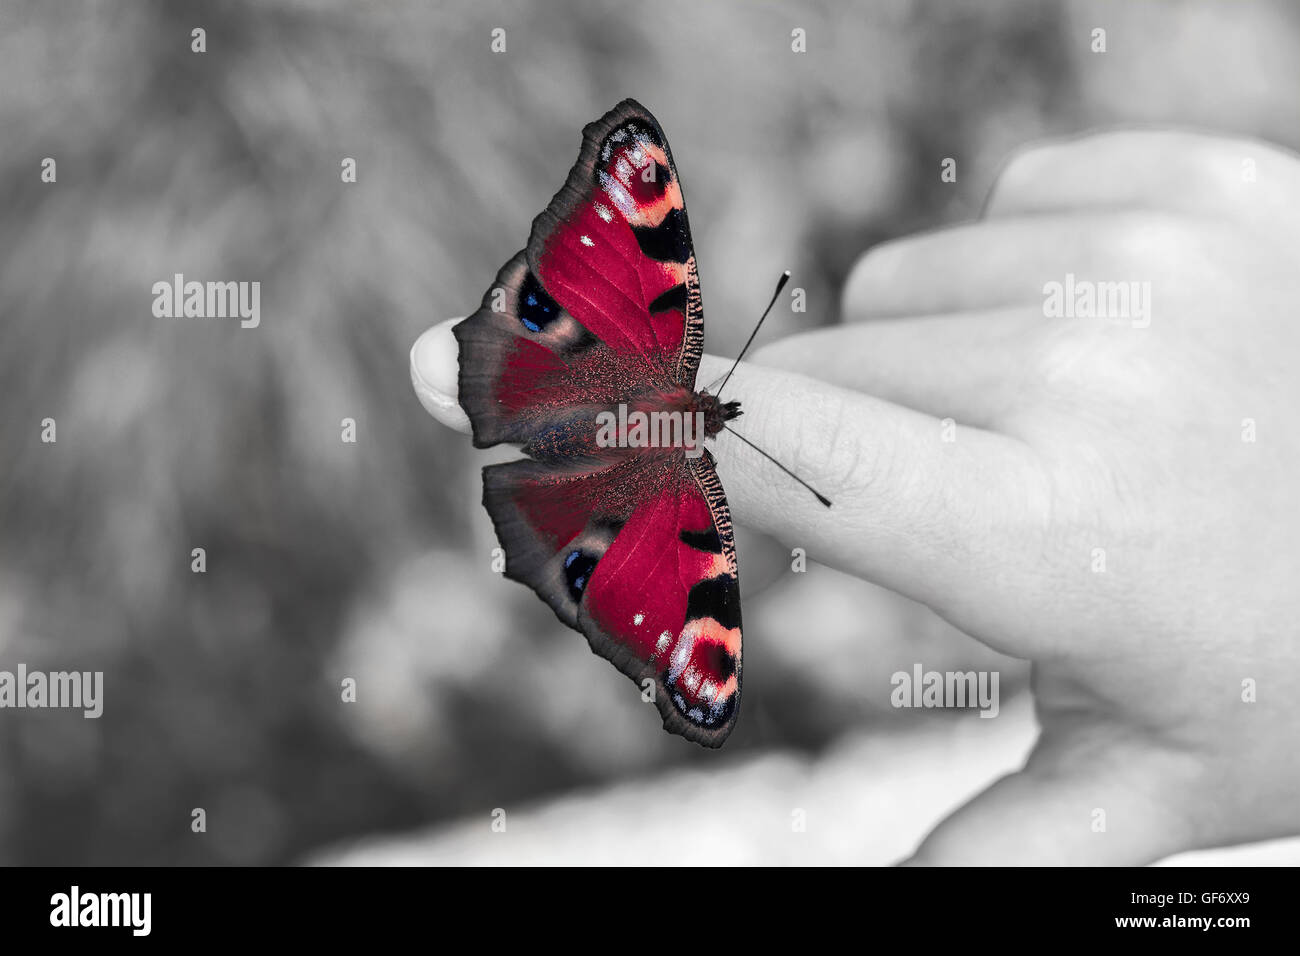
{"type": "Point", "coordinates": [877, 264]}
{"type": "Point", "coordinates": [1167, 248]}
{"type": "Point", "coordinates": [1023, 167]}
{"type": "Point", "coordinates": [833, 445]}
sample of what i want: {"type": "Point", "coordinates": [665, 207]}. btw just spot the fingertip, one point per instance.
{"type": "Point", "coordinates": [434, 374]}
{"type": "Point", "coordinates": [434, 358]}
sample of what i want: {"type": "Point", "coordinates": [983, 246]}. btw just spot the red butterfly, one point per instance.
{"type": "Point", "coordinates": [601, 313]}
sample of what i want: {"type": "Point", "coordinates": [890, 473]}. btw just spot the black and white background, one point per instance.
{"type": "Point", "coordinates": [480, 731]}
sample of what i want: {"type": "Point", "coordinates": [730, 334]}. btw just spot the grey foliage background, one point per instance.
{"type": "Point", "coordinates": [328, 560]}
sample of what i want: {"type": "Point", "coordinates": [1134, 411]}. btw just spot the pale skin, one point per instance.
{"type": "Point", "coordinates": [1118, 503]}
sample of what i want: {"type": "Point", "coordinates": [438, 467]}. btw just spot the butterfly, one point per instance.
{"type": "Point", "coordinates": [630, 542]}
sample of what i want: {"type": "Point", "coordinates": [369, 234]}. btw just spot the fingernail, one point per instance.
{"type": "Point", "coordinates": [434, 372]}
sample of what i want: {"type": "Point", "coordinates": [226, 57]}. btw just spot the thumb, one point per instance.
{"type": "Point", "coordinates": [1087, 800]}
{"type": "Point", "coordinates": [434, 372]}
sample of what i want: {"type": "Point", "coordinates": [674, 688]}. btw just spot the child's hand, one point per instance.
{"type": "Point", "coordinates": [1165, 450]}
{"type": "Point", "coordinates": [1116, 502]}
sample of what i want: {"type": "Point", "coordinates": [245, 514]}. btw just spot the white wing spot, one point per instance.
{"type": "Point", "coordinates": [692, 679]}
{"type": "Point", "coordinates": [638, 619]}
{"type": "Point", "coordinates": [586, 240]}
{"type": "Point", "coordinates": [618, 195]}
{"type": "Point", "coordinates": [681, 655]}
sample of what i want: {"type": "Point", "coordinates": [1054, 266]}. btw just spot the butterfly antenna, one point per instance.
{"type": "Point", "coordinates": [820, 497]}
{"type": "Point", "coordinates": [780, 284]}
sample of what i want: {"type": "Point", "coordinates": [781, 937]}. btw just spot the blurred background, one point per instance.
{"type": "Point", "coordinates": [371, 560]}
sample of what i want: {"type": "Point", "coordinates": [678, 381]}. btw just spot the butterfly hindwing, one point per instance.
{"type": "Point", "coordinates": [640, 558]}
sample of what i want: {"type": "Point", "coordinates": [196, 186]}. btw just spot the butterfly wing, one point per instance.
{"type": "Point", "coordinates": [638, 556]}
{"type": "Point", "coordinates": [634, 549]}
{"type": "Point", "coordinates": [605, 301]}
{"type": "Point", "coordinates": [614, 245]}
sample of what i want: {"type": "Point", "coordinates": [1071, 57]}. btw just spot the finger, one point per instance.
{"type": "Point", "coordinates": [939, 514]}
{"type": "Point", "coordinates": [1194, 173]}
{"type": "Point", "coordinates": [434, 375]}
{"type": "Point", "coordinates": [968, 367]}
{"type": "Point", "coordinates": [973, 267]}
{"type": "Point", "coordinates": [913, 511]}
{"type": "Point", "coordinates": [766, 561]}
{"type": "Point", "coordinates": [1094, 798]}
{"type": "Point", "coordinates": [1003, 264]}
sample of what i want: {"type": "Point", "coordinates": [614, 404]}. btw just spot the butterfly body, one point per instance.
{"type": "Point", "coordinates": [716, 412]}
{"type": "Point", "coordinates": [584, 352]}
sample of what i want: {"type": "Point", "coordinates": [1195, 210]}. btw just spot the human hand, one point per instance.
{"type": "Point", "coordinates": [1071, 435]}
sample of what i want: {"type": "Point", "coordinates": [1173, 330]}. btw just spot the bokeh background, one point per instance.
{"type": "Point", "coordinates": [328, 560]}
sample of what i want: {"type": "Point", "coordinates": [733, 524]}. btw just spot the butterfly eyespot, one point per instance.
{"type": "Point", "coordinates": [650, 183]}
{"type": "Point", "coordinates": [577, 572]}
{"type": "Point", "coordinates": [536, 309]}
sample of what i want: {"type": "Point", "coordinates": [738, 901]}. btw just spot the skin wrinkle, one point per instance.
{"type": "Point", "coordinates": [857, 460]}
{"type": "Point", "coordinates": [817, 453]}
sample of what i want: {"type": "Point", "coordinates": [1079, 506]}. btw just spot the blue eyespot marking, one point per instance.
{"type": "Point", "coordinates": [536, 309]}
{"type": "Point", "coordinates": [577, 572]}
